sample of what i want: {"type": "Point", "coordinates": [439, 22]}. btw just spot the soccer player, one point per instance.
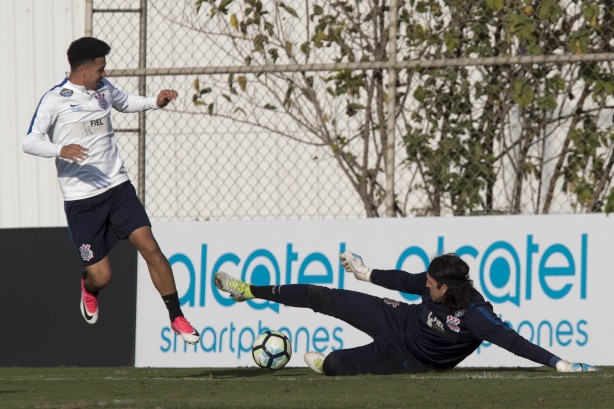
{"type": "Point", "coordinates": [446, 327]}
{"type": "Point", "coordinates": [100, 202]}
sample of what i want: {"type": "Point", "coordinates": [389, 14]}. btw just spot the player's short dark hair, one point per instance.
{"type": "Point", "coordinates": [452, 270]}
{"type": "Point", "coordinates": [86, 49]}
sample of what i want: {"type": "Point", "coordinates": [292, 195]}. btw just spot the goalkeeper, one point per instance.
{"type": "Point", "coordinates": [445, 328]}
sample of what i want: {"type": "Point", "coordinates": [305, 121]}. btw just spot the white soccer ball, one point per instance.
{"type": "Point", "coordinates": [271, 350]}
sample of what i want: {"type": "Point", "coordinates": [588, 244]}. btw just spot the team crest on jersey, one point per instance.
{"type": "Point", "coordinates": [65, 92]}
{"type": "Point", "coordinates": [453, 322]}
{"type": "Point", "coordinates": [86, 252]}
{"type": "Point", "coordinates": [433, 322]}
{"type": "Point", "coordinates": [459, 313]}
{"type": "Point", "coordinates": [101, 100]}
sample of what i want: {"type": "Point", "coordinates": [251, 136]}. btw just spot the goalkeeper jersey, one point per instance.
{"type": "Point", "coordinates": [71, 114]}
{"type": "Point", "coordinates": [441, 338]}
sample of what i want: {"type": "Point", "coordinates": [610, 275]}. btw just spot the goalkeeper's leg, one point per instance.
{"type": "Point", "coordinates": [362, 311]}
{"type": "Point", "coordinates": [381, 357]}
{"type": "Point", "coordinates": [365, 312]}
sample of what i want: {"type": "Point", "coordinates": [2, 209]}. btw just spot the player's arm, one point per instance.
{"type": "Point", "coordinates": [125, 102]}
{"type": "Point", "coordinates": [36, 141]}
{"type": "Point", "coordinates": [165, 97]}
{"type": "Point", "coordinates": [392, 279]}
{"type": "Point", "coordinates": [485, 325]}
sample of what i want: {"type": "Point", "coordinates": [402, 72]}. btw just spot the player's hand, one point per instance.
{"type": "Point", "coordinates": [353, 264]}
{"type": "Point", "coordinates": [565, 366]}
{"type": "Point", "coordinates": [165, 96]}
{"type": "Point", "coordinates": [74, 152]}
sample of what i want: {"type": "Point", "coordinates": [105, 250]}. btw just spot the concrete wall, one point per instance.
{"type": "Point", "coordinates": [34, 37]}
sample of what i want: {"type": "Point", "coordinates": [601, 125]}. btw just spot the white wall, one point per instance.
{"type": "Point", "coordinates": [34, 37]}
{"type": "Point", "coordinates": [548, 277]}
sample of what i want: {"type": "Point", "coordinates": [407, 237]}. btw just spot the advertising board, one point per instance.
{"type": "Point", "coordinates": [548, 277]}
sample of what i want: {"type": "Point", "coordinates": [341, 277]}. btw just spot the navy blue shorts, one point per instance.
{"type": "Point", "coordinates": [98, 223]}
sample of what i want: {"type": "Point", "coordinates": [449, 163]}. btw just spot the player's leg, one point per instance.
{"type": "Point", "coordinates": [363, 311]}
{"type": "Point", "coordinates": [162, 278]}
{"type": "Point", "coordinates": [89, 231]}
{"type": "Point", "coordinates": [129, 220]}
{"type": "Point", "coordinates": [95, 277]}
{"type": "Point", "coordinates": [379, 357]}
{"type": "Point", "coordinates": [159, 268]}
{"type": "Point", "coordinates": [98, 275]}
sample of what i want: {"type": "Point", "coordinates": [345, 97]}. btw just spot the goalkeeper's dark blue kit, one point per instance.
{"type": "Point", "coordinates": [406, 337]}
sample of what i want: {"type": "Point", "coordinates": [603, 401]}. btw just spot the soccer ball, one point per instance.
{"type": "Point", "coordinates": [271, 350]}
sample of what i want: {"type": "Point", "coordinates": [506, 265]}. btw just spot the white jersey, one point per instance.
{"type": "Point", "coordinates": [70, 114]}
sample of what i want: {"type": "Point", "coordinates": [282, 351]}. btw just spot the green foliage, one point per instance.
{"type": "Point", "coordinates": [471, 152]}
{"type": "Point", "coordinates": [464, 128]}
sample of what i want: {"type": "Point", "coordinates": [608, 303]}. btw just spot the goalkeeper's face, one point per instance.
{"type": "Point", "coordinates": [436, 289]}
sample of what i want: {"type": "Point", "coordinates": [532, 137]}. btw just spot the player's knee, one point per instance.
{"type": "Point", "coordinates": [149, 248]}
{"type": "Point", "coordinates": [335, 364]}
{"type": "Point", "coordinates": [97, 280]}
{"type": "Point", "coordinates": [151, 253]}
{"type": "Point", "coordinates": [321, 298]}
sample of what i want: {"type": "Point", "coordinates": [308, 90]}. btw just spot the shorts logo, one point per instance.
{"type": "Point", "coordinates": [86, 253]}
{"type": "Point", "coordinates": [433, 322]}
{"type": "Point", "coordinates": [101, 100]}
{"type": "Point", "coordinates": [453, 322]}
{"type": "Point", "coordinates": [65, 92]}
{"type": "Point", "coordinates": [392, 303]}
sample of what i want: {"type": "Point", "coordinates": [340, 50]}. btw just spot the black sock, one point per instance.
{"type": "Point", "coordinates": [294, 295]}
{"type": "Point", "coordinates": [172, 305]}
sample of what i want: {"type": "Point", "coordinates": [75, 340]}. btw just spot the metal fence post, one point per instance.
{"type": "Point", "coordinates": [390, 126]}
{"type": "Point", "coordinates": [142, 91]}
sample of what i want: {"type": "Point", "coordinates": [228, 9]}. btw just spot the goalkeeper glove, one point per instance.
{"type": "Point", "coordinates": [565, 366]}
{"type": "Point", "coordinates": [353, 264]}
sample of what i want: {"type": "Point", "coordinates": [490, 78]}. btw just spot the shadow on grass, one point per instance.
{"type": "Point", "coordinates": [497, 369]}
{"type": "Point", "coordinates": [225, 373]}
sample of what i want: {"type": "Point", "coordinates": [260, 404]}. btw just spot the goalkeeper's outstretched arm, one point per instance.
{"type": "Point", "coordinates": [353, 264]}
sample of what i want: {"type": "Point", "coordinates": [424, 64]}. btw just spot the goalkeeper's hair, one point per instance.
{"type": "Point", "coordinates": [458, 298]}
{"type": "Point", "coordinates": [452, 270]}
{"type": "Point", "coordinates": [85, 50]}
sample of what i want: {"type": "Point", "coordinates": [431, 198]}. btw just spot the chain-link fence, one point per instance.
{"type": "Point", "coordinates": [307, 109]}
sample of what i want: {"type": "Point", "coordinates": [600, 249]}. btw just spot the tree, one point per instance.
{"type": "Point", "coordinates": [510, 138]}
{"type": "Point", "coordinates": [343, 111]}
{"type": "Point", "coordinates": [501, 138]}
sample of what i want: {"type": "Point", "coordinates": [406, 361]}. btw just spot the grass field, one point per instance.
{"type": "Point", "coordinates": [126, 388]}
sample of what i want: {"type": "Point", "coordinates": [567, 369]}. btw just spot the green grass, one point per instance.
{"type": "Point", "coordinates": [156, 388]}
